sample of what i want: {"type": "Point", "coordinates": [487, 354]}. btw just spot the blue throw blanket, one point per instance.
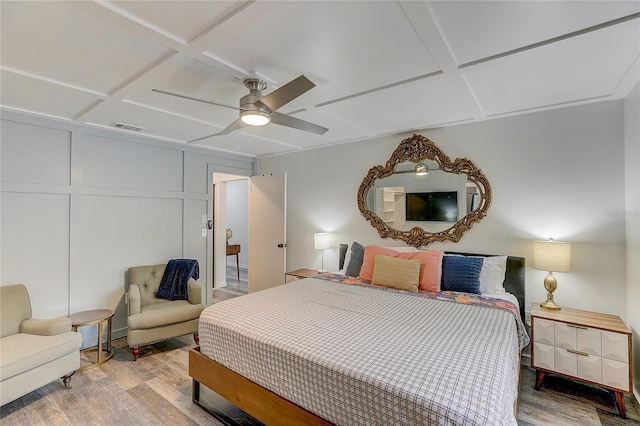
{"type": "Point", "coordinates": [173, 285]}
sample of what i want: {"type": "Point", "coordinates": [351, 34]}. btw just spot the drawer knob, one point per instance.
{"type": "Point", "coordinates": [577, 352]}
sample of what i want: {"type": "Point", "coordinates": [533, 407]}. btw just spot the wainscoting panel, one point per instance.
{"type": "Point", "coordinates": [115, 163]}
{"type": "Point", "coordinates": [35, 249]}
{"type": "Point", "coordinates": [35, 154]}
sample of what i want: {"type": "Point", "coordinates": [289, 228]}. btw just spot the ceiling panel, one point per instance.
{"type": "Point", "coordinates": [420, 104]}
{"type": "Point", "coordinates": [472, 32]}
{"type": "Point", "coordinates": [184, 19]}
{"type": "Point", "coordinates": [63, 42]}
{"type": "Point", "coordinates": [576, 69]}
{"type": "Point", "coordinates": [240, 141]}
{"type": "Point", "coordinates": [156, 122]}
{"type": "Point", "coordinates": [24, 93]}
{"type": "Point", "coordinates": [311, 38]}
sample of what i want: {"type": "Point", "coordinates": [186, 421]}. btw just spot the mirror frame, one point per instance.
{"type": "Point", "coordinates": [415, 149]}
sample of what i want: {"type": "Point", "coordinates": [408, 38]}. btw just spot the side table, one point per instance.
{"type": "Point", "coordinates": [231, 250]}
{"type": "Point", "coordinates": [98, 316]}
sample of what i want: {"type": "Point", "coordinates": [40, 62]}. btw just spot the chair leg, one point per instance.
{"type": "Point", "coordinates": [66, 380]}
{"type": "Point", "coordinates": [136, 352]}
{"type": "Point", "coordinates": [196, 337]}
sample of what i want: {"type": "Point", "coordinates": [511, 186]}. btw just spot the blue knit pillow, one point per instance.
{"type": "Point", "coordinates": [461, 273]}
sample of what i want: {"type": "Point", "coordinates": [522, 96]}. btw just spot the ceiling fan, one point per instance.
{"type": "Point", "coordinates": [258, 110]}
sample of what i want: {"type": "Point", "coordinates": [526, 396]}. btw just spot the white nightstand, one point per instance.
{"type": "Point", "coordinates": [586, 346]}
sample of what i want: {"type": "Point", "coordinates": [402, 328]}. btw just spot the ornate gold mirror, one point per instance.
{"type": "Point", "coordinates": [402, 203]}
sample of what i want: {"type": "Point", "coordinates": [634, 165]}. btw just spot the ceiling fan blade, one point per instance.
{"type": "Point", "coordinates": [202, 138]}
{"type": "Point", "coordinates": [194, 99]}
{"type": "Point", "coordinates": [238, 124]}
{"type": "Point", "coordinates": [285, 94]}
{"type": "Point", "coordinates": [296, 123]}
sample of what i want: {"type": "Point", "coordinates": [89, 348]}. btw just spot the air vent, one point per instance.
{"type": "Point", "coordinates": [129, 127]}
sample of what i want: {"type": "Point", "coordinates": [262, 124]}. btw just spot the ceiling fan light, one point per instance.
{"type": "Point", "coordinates": [254, 118]}
{"type": "Point", "coordinates": [421, 169]}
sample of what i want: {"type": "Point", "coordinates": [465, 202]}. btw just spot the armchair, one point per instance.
{"type": "Point", "coordinates": [153, 319]}
{"type": "Point", "coordinates": [33, 352]}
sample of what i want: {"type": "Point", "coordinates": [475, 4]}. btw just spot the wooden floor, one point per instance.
{"type": "Point", "coordinates": [156, 390]}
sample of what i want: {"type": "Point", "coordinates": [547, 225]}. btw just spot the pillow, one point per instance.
{"type": "Point", "coordinates": [354, 264]}
{"type": "Point", "coordinates": [396, 273]}
{"type": "Point", "coordinates": [355, 260]}
{"type": "Point", "coordinates": [492, 274]}
{"type": "Point", "coordinates": [430, 267]}
{"type": "Point", "coordinates": [461, 273]}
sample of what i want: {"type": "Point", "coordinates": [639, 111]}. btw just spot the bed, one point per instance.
{"type": "Point", "coordinates": [337, 350]}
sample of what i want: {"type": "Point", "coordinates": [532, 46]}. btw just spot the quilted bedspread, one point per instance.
{"type": "Point", "coordinates": [362, 355]}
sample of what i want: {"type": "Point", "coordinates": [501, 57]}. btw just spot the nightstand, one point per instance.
{"type": "Point", "coordinates": [587, 346]}
{"type": "Point", "coordinates": [299, 274]}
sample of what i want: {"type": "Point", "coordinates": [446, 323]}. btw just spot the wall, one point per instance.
{"type": "Point", "coordinates": [80, 205]}
{"type": "Point", "coordinates": [553, 174]}
{"type": "Point", "coordinates": [632, 222]}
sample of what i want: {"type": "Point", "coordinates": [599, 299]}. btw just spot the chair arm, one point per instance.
{"type": "Point", "coordinates": [134, 299]}
{"type": "Point", "coordinates": [46, 327]}
{"type": "Point", "coordinates": [194, 292]}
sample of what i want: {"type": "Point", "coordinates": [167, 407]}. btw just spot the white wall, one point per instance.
{"type": "Point", "coordinates": [632, 222]}
{"type": "Point", "coordinates": [80, 205]}
{"type": "Point", "coordinates": [553, 174]}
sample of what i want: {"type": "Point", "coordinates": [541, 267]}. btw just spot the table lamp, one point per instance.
{"type": "Point", "coordinates": [552, 256]}
{"type": "Point", "coordinates": [322, 242]}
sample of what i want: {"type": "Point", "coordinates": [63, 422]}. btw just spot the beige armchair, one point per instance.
{"type": "Point", "coordinates": [152, 319]}
{"type": "Point", "coordinates": [33, 352]}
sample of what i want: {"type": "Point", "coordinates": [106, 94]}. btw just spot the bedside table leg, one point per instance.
{"type": "Point", "coordinates": [539, 379]}
{"type": "Point", "coordinates": [622, 410]}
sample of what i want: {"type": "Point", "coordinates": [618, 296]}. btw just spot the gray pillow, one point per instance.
{"type": "Point", "coordinates": [355, 260]}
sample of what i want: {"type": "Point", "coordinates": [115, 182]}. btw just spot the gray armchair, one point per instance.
{"type": "Point", "coordinates": [33, 352]}
{"type": "Point", "coordinates": [152, 319]}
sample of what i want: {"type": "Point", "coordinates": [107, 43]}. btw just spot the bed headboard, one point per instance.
{"type": "Point", "coordinates": [513, 279]}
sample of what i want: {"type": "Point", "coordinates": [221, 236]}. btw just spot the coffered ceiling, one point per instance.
{"type": "Point", "coordinates": [381, 67]}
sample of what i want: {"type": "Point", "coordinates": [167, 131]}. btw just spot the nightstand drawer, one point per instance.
{"type": "Point", "coordinates": [615, 374]}
{"type": "Point", "coordinates": [544, 331]}
{"type": "Point", "coordinates": [615, 346]}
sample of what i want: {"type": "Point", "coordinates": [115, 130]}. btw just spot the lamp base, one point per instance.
{"type": "Point", "coordinates": [550, 304]}
{"type": "Point", "coordinates": [550, 284]}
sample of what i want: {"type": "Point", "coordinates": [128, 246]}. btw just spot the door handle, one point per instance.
{"type": "Point", "coordinates": [281, 245]}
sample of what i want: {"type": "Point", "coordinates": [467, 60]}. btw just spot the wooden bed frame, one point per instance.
{"type": "Point", "coordinates": [270, 408]}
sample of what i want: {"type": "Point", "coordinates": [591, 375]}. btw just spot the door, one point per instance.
{"type": "Point", "coordinates": [267, 231]}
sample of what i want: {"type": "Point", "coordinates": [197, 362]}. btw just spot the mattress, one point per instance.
{"type": "Point", "coordinates": [363, 355]}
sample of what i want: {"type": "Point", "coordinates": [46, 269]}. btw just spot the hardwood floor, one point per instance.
{"type": "Point", "coordinates": [156, 389]}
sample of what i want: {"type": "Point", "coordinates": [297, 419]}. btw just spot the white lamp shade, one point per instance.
{"type": "Point", "coordinates": [552, 256]}
{"type": "Point", "coordinates": [321, 241]}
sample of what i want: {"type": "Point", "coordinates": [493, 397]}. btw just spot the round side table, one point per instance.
{"type": "Point", "coordinates": [97, 316]}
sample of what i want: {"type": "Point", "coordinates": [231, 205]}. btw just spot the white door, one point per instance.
{"type": "Point", "coordinates": [267, 232]}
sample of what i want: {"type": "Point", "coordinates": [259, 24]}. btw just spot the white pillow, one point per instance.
{"type": "Point", "coordinates": [492, 274]}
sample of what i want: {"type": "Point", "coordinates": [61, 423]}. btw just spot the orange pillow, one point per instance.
{"type": "Point", "coordinates": [430, 266]}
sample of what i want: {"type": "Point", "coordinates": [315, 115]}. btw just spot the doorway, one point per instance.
{"type": "Point", "coordinates": [232, 226]}
{"type": "Point", "coordinates": [265, 249]}
{"type": "Point", "coordinates": [237, 233]}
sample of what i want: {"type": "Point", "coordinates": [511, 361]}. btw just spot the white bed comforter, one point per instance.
{"type": "Point", "coordinates": [357, 355]}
